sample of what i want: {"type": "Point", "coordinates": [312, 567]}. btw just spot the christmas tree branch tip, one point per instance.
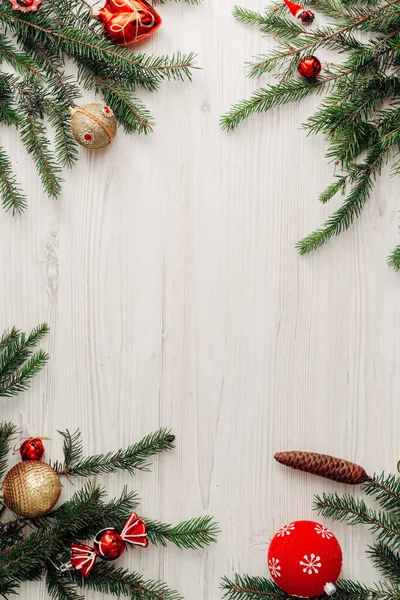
{"type": "Point", "coordinates": [358, 115]}
{"type": "Point", "coordinates": [134, 457]}
{"type": "Point", "coordinates": [19, 361]}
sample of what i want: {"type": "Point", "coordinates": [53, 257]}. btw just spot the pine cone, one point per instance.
{"type": "Point", "coordinates": [336, 469]}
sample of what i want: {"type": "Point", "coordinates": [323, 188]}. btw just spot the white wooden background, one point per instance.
{"type": "Point", "coordinates": [176, 298]}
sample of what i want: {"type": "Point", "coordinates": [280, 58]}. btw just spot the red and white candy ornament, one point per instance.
{"type": "Point", "coordinates": [305, 559]}
{"type": "Point", "coordinates": [109, 544]}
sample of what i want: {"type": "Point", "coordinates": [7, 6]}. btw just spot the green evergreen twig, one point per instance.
{"type": "Point", "coordinates": [19, 362]}
{"type": "Point", "coordinates": [192, 534]}
{"type": "Point", "coordinates": [136, 456]}
{"type": "Point", "coordinates": [359, 115]}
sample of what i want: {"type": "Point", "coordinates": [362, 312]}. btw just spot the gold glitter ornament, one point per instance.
{"type": "Point", "coordinates": [94, 126]}
{"type": "Point", "coordinates": [31, 489]}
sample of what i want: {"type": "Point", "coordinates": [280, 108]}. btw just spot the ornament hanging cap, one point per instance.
{"type": "Point", "coordinates": [295, 9]}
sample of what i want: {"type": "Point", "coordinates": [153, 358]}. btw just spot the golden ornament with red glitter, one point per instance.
{"type": "Point", "coordinates": [26, 5]}
{"type": "Point", "coordinates": [128, 21]}
{"type": "Point", "coordinates": [31, 489]}
{"type": "Point", "coordinates": [310, 67]}
{"type": "Point", "coordinates": [93, 126]}
{"type": "Point", "coordinates": [305, 16]}
{"type": "Point", "coordinates": [32, 449]}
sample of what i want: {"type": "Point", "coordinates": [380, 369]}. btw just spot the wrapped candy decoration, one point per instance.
{"type": "Point", "coordinates": [109, 544]}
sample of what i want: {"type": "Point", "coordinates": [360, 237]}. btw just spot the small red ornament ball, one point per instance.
{"type": "Point", "coordinates": [32, 449]}
{"type": "Point", "coordinates": [310, 67]}
{"type": "Point", "coordinates": [303, 558]}
{"type": "Point", "coordinates": [108, 544]}
{"type": "Point", "coordinates": [306, 17]}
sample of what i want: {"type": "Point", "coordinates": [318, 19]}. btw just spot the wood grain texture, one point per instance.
{"type": "Point", "coordinates": [175, 297]}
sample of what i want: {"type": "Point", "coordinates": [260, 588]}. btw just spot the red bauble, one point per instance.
{"type": "Point", "coordinates": [128, 21]}
{"type": "Point", "coordinates": [309, 67]}
{"type": "Point", "coordinates": [303, 558]}
{"type": "Point", "coordinates": [109, 544]}
{"type": "Point", "coordinates": [32, 449]}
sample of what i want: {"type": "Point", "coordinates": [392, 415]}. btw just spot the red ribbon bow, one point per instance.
{"type": "Point", "coordinates": [83, 558]}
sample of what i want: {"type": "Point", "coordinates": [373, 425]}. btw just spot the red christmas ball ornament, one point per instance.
{"type": "Point", "coordinates": [128, 21]}
{"type": "Point", "coordinates": [305, 16]}
{"type": "Point", "coordinates": [32, 449]}
{"type": "Point", "coordinates": [305, 559]}
{"type": "Point", "coordinates": [108, 544]}
{"type": "Point", "coordinates": [310, 67]}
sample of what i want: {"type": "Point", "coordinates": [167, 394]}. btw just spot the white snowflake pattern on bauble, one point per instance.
{"type": "Point", "coordinates": [323, 532]}
{"type": "Point", "coordinates": [312, 564]}
{"type": "Point", "coordinates": [285, 530]}
{"type": "Point", "coordinates": [274, 567]}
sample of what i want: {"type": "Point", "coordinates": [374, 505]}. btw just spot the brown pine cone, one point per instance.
{"type": "Point", "coordinates": [336, 469]}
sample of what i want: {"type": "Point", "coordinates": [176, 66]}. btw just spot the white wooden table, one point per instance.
{"type": "Point", "coordinates": [176, 298]}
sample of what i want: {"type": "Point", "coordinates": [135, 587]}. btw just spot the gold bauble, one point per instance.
{"type": "Point", "coordinates": [31, 489]}
{"type": "Point", "coordinates": [94, 126]}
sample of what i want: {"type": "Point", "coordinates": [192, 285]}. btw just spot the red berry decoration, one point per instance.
{"type": "Point", "coordinates": [305, 559]}
{"type": "Point", "coordinates": [109, 544]}
{"type": "Point", "coordinates": [32, 449]}
{"type": "Point", "coordinates": [310, 67]}
{"type": "Point", "coordinates": [306, 16]}
{"type": "Point", "coordinates": [128, 21]}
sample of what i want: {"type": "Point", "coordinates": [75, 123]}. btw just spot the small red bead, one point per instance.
{"type": "Point", "coordinates": [108, 544]}
{"type": "Point", "coordinates": [87, 137]}
{"type": "Point", "coordinates": [107, 109]}
{"type": "Point", "coordinates": [32, 449]}
{"type": "Point", "coordinates": [310, 67]}
{"type": "Point", "coordinates": [306, 17]}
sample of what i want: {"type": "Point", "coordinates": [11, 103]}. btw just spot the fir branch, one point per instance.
{"type": "Point", "coordinates": [80, 44]}
{"type": "Point", "coordinates": [267, 98]}
{"type": "Point", "coordinates": [244, 587]}
{"type": "Point", "coordinates": [24, 561]}
{"type": "Point", "coordinates": [192, 534]}
{"type": "Point", "coordinates": [12, 198]}
{"type": "Point", "coordinates": [386, 560]}
{"type": "Point", "coordinates": [393, 259]}
{"type": "Point", "coordinates": [18, 361]}
{"type": "Point", "coordinates": [128, 459]}
{"type": "Point", "coordinates": [59, 587]}
{"type": "Point", "coordinates": [386, 491]}
{"type": "Point", "coordinates": [355, 512]}
{"type": "Point", "coordinates": [119, 582]}
{"type": "Point", "coordinates": [72, 448]}
{"type": "Point", "coordinates": [363, 176]}
{"type": "Point", "coordinates": [33, 135]}
{"type": "Point", "coordinates": [20, 61]}
{"type": "Point", "coordinates": [353, 116]}
{"type": "Point", "coordinates": [37, 51]}
{"type": "Point", "coordinates": [7, 431]}
{"type": "Point", "coordinates": [353, 590]}
{"type": "Point", "coordinates": [9, 337]}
